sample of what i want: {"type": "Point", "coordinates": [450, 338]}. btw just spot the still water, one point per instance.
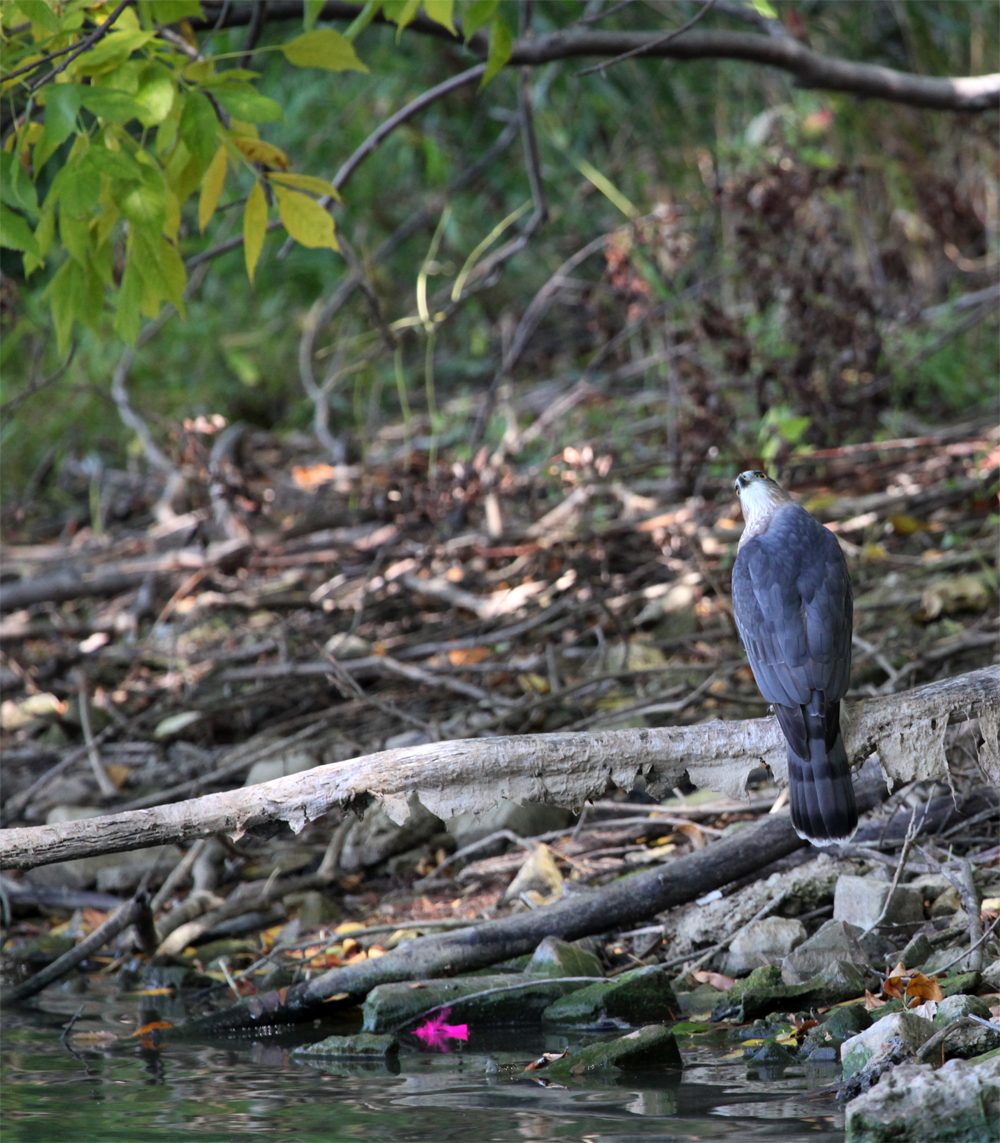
{"type": "Point", "coordinates": [126, 1092]}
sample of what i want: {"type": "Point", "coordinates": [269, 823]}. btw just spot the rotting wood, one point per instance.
{"type": "Point", "coordinates": [907, 731]}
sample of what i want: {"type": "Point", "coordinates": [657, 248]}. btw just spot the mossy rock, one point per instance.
{"type": "Point", "coordinates": [632, 998]}
{"type": "Point", "coordinates": [653, 1046]}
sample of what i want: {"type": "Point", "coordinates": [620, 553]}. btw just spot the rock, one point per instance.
{"type": "Point", "coordinates": [526, 819]}
{"type": "Point", "coordinates": [764, 942]}
{"type": "Point", "coordinates": [554, 957]}
{"type": "Point", "coordinates": [699, 1002]}
{"type": "Point", "coordinates": [860, 900]}
{"type": "Point", "coordinates": [960, 982]}
{"type": "Point", "coordinates": [760, 993]}
{"type": "Point", "coordinates": [538, 874]}
{"type": "Point", "coordinates": [971, 1040]}
{"type": "Point", "coordinates": [832, 942]}
{"type": "Point", "coordinates": [841, 1024]}
{"type": "Point", "coordinates": [376, 837]}
{"type": "Point", "coordinates": [931, 886]}
{"type": "Point", "coordinates": [117, 871]}
{"type": "Point", "coordinates": [344, 645]}
{"type": "Point", "coordinates": [916, 952]}
{"type": "Point", "coordinates": [946, 903]}
{"type": "Point", "coordinates": [643, 993]}
{"type": "Point", "coordinates": [361, 1046]}
{"type": "Point", "coordinates": [841, 981]}
{"type": "Point", "coordinates": [958, 1103]}
{"type": "Point", "coordinates": [647, 1047]}
{"type": "Point", "coordinates": [991, 977]}
{"type": "Point", "coordinates": [294, 762]}
{"type": "Point", "coordinates": [771, 1056]}
{"type": "Point", "coordinates": [314, 909]}
{"type": "Point", "coordinates": [389, 1007]}
{"type": "Point", "coordinates": [889, 1040]}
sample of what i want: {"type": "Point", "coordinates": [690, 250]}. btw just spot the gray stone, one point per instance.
{"type": "Point", "coordinates": [958, 1103]}
{"type": "Point", "coordinates": [931, 886]}
{"type": "Point", "coordinates": [895, 1036]}
{"type": "Point", "coordinates": [954, 1006]}
{"type": "Point", "coordinates": [860, 900]}
{"type": "Point", "coordinates": [294, 762]}
{"type": "Point", "coordinates": [770, 1055]}
{"type": "Point", "coordinates": [376, 837]}
{"type": "Point", "coordinates": [946, 903]}
{"type": "Point", "coordinates": [554, 957]}
{"type": "Point", "coordinates": [389, 1007]}
{"type": "Point", "coordinates": [643, 993]}
{"type": "Point", "coordinates": [991, 977]}
{"type": "Point", "coordinates": [969, 1040]}
{"type": "Point", "coordinates": [763, 942]}
{"type": "Point", "coordinates": [647, 1047]}
{"type": "Point", "coordinates": [841, 981]}
{"type": "Point", "coordinates": [526, 819]}
{"type": "Point", "coordinates": [832, 942]}
{"type": "Point", "coordinates": [916, 951]}
{"type": "Point", "coordinates": [361, 1046]}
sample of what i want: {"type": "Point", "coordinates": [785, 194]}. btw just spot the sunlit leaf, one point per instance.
{"type": "Point", "coordinates": [307, 183]}
{"type": "Point", "coordinates": [501, 45]}
{"type": "Point", "coordinates": [400, 12]}
{"type": "Point", "coordinates": [323, 48]}
{"type": "Point", "coordinates": [157, 88]}
{"type": "Point", "coordinates": [477, 15]}
{"type": "Point", "coordinates": [111, 52]}
{"type": "Point", "coordinates": [305, 220]}
{"type": "Point", "coordinates": [440, 11]}
{"type": "Point", "coordinates": [257, 151]}
{"type": "Point", "coordinates": [310, 13]}
{"type": "Point", "coordinates": [115, 106]}
{"type": "Point", "coordinates": [170, 11]}
{"type": "Point", "coordinates": [127, 318]}
{"type": "Point", "coordinates": [254, 227]}
{"type": "Point", "coordinates": [65, 292]}
{"type": "Point", "coordinates": [175, 723]}
{"type": "Point", "coordinates": [211, 188]}
{"type": "Point", "coordinates": [765, 9]}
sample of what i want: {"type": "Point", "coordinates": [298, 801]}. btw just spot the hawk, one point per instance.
{"type": "Point", "coordinates": [794, 612]}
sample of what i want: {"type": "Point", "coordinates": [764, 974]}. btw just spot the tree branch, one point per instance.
{"type": "Point", "coordinates": [907, 730]}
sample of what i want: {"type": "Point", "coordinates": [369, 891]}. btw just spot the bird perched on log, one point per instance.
{"type": "Point", "coordinates": [794, 612]}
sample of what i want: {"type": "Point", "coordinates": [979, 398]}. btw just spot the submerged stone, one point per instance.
{"type": "Point", "coordinates": [648, 1047]}
{"type": "Point", "coordinates": [632, 998]}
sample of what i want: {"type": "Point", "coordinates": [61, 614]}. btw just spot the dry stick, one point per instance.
{"type": "Point", "coordinates": [982, 940]}
{"type": "Point", "coordinates": [130, 913]}
{"type": "Point", "coordinates": [647, 48]}
{"type": "Point", "coordinates": [104, 784]}
{"type": "Point", "coordinates": [177, 875]}
{"type": "Point", "coordinates": [939, 1038]}
{"type": "Point", "coordinates": [911, 833]}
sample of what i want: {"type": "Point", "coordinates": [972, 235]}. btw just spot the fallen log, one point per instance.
{"type": "Point", "coordinates": [568, 769]}
{"type": "Point", "coordinates": [622, 903]}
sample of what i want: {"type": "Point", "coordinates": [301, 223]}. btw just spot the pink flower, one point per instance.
{"type": "Point", "coordinates": [435, 1031]}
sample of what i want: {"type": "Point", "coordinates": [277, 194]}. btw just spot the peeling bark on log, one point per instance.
{"type": "Point", "coordinates": [906, 730]}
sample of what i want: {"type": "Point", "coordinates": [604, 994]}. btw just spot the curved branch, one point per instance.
{"type": "Point", "coordinates": [957, 93]}
{"type": "Point", "coordinates": [565, 769]}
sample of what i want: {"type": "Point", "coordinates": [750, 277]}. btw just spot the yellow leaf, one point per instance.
{"type": "Point", "coordinates": [257, 151]}
{"type": "Point", "coordinates": [440, 12]}
{"type": "Point", "coordinates": [172, 219]}
{"type": "Point", "coordinates": [307, 183]}
{"type": "Point", "coordinates": [325, 48]}
{"type": "Point", "coordinates": [305, 220]}
{"type": "Point", "coordinates": [211, 188]}
{"type": "Point", "coordinates": [254, 227]}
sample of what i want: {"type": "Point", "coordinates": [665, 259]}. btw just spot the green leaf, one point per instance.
{"type": "Point", "coordinates": [440, 11]}
{"type": "Point", "coordinates": [145, 204]}
{"type": "Point", "coordinates": [477, 15]}
{"type": "Point", "coordinates": [246, 104]}
{"type": "Point", "coordinates": [765, 9]}
{"type": "Point", "coordinates": [400, 12]}
{"type": "Point", "coordinates": [170, 11]}
{"type": "Point", "coordinates": [254, 227]}
{"type": "Point", "coordinates": [74, 233]}
{"type": "Point", "coordinates": [211, 188]}
{"type": "Point", "coordinates": [66, 292]}
{"type": "Point", "coordinates": [117, 164]}
{"type": "Point", "coordinates": [198, 128]}
{"type": "Point", "coordinates": [363, 19]}
{"type": "Point", "coordinates": [501, 45]}
{"type": "Point", "coordinates": [16, 189]}
{"type": "Point", "coordinates": [323, 48]}
{"type": "Point", "coordinates": [15, 233]}
{"type": "Point", "coordinates": [115, 106]}
{"type": "Point", "coordinates": [307, 183]}
{"type": "Point", "coordinates": [305, 220]}
{"type": "Point", "coordinates": [310, 13]}
{"type": "Point", "coordinates": [174, 273]}
{"type": "Point", "coordinates": [82, 188]}
{"type": "Point", "coordinates": [62, 102]}
{"type": "Point", "coordinates": [127, 318]}
{"type": "Point", "coordinates": [110, 53]}
{"type": "Point", "coordinates": [157, 88]}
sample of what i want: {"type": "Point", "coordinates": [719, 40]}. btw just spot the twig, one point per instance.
{"type": "Point", "coordinates": [81, 47]}
{"type": "Point", "coordinates": [652, 46]}
{"type": "Point", "coordinates": [8, 408]}
{"type": "Point", "coordinates": [939, 1038]}
{"type": "Point", "coordinates": [982, 940]}
{"type": "Point", "coordinates": [128, 914]}
{"type": "Point", "coordinates": [724, 944]}
{"type": "Point", "coordinates": [178, 874]}
{"type": "Point", "coordinates": [911, 833]}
